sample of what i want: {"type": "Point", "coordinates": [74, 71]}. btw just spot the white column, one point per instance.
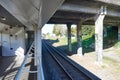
{"type": "Point", "coordinates": [99, 34]}
{"type": "Point", "coordinates": [38, 53]}
{"type": "Point", "coordinates": [69, 37]}
{"type": "Point", "coordinates": [79, 38]}
{"type": "Point", "coordinates": [118, 32]}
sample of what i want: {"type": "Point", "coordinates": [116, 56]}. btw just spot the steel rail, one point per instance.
{"type": "Point", "coordinates": [86, 74]}
{"type": "Point", "coordinates": [59, 63]}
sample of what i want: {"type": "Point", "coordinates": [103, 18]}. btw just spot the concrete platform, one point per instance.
{"type": "Point", "coordinates": [9, 67]}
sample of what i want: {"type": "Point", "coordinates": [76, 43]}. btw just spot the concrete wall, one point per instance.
{"type": "Point", "coordinates": [12, 40]}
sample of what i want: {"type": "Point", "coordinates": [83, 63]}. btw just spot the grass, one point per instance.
{"type": "Point", "coordinates": [86, 41]}
{"type": "Point", "coordinates": [117, 45]}
{"type": "Point", "coordinates": [117, 70]}
{"type": "Point", "coordinates": [62, 41]}
{"type": "Point", "coordinates": [112, 63]}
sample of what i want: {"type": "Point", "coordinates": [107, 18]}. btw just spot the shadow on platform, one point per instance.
{"type": "Point", "coordinates": [8, 68]}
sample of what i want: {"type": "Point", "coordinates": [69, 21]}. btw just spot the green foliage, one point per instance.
{"type": "Point", "coordinates": [62, 41]}
{"type": "Point", "coordinates": [73, 30]}
{"type": "Point", "coordinates": [88, 41]}
{"type": "Point", "coordinates": [117, 45]}
{"type": "Point", "coordinates": [88, 38]}
{"type": "Point", "coordinates": [88, 30]}
{"type": "Point", "coordinates": [111, 39]}
{"type": "Point", "coordinates": [59, 30]}
{"type": "Point", "coordinates": [112, 32]}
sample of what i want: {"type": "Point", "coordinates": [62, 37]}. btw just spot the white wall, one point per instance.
{"type": "Point", "coordinates": [12, 40]}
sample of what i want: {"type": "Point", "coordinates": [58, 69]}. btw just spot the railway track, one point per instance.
{"type": "Point", "coordinates": [53, 69]}
{"type": "Point", "coordinates": [67, 69]}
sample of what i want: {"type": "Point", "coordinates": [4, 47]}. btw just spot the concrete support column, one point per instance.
{"type": "Point", "coordinates": [79, 38]}
{"type": "Point", "coordinates": [118, 32]}
{"type": "Point", "coordinates": [99, 34]}
{"type": "Point", "coordinates": [38, 53]}
{"type": "Point", "coordinates": [30, 38]}
{"type": "Point", "coordinates": [69, 37]}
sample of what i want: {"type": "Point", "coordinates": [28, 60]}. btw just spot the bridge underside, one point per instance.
{"type": "Point", "coordinates": [72, 11]}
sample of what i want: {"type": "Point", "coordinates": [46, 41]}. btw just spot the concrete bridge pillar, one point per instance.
{"type": "Point", "coordinates": [30, 38]}
{"type": "Point", "coordinates": [38, 43]}
{"type": "Point", "coordinates": [69, 37]}
{"type": "Point", "coordinates": [79, 38]}
{"type": "Point", "coordinates": [99, 34]}
{"type": "Point", "coordinates": [38, 53]}
{"type": "Point", "coordinates": [118, 32]}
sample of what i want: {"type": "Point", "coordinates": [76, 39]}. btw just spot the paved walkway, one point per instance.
{"type": "Point", "coordinates": [8, 68]}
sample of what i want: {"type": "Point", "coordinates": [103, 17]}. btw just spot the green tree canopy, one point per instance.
{"type": "Point", "coordinates": [59, 30]}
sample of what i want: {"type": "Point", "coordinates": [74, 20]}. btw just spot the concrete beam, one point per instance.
{"type": "Point", "coordinates": [115, 2]}
{"type": "Point", "coordinates": [22, 10]}
{"type": "Point", "coordinates": [27, 11]}
{"type": "Point", "coordinates": [99, 34]}
{"type": "Point", "coordinates": [49, 8]}
{"type": "Point", "coordinates": [69, 37]}
{"type": "Point", "coordinates": [62, 21]}
{"type": "Point", "coordinates": [79, 38]}
{"type": "Point", "coordinates": [84, 8]}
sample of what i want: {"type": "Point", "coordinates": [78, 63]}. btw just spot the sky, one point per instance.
{"type": "Point", "coordinates": [47, 28]}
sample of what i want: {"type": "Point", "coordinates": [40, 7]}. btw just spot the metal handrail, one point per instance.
{"type": "Point", "coordinates": [17, 77]}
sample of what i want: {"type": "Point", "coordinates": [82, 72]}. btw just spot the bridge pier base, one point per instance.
{"type": "Point", "coordinates": [118, 32]}
{"type": "Point", "coordinates": [69, 37]}
{"type": "Point", "coordinates": [79, 38]}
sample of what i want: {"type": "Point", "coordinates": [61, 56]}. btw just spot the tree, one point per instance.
{"type": "Point", "coordinates": [73, 30]}
{"type": "Point", "coordinates": [88, 30]}
{"type": "Point", "coordinates": [59, 30]}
